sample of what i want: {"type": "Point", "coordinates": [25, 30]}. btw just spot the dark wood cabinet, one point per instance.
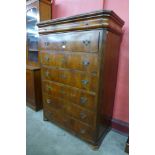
{"type": "Point", "coordinates": [79, 62]}
{"type": "Point", "coordinates": [33, 88]}
{"type": "Point", "coordinates": [36, 10]}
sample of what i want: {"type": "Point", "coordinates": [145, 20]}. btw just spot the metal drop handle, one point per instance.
{"type": "Point", "coordinates": [47, 43]}
{"type": "Point", "coordinates": [86, 42]}
{"type": "Point", "coordinates": [47, 58]}
{"type": "Point", "coordinates": [49, 88]}
{"type": "Point", "coordinates": [83, 100]}
{"type": "Point", "coordinates": [84, 82]}
{"type": "Point", "coordinates": [64, 44]}
{"type": "Point", "coordinates": [86, 63]}
{"type": "Point", "coordinates": [47, 73]}
{"type": "Point", "coordinates": [83, 115]}
{"type": "Point", "coordinates": [48, 101]}
{"type": "Point", "coordinates": [63, 76]}
{"type": "Point", "coordinates": [82, 131]}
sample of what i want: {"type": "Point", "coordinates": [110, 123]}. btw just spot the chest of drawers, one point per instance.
{"type": "Point", "coordinates": [79, 61]}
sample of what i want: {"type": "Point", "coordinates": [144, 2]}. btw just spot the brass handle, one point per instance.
{"type": "Point", "coordinates": [62, 91]}
{"type": "Point", "coordinates": [65, 120]}
{"type": "Point", "coordinates": [82, 131]}
{"type": "Point", "coordinates": [48, 101]}
{"type": "Point", "coordinates": [46, 43]}
{"type": "Point", "coordinates": [83, 115]}
{"type": "Point", "coordinates": [49, 88]}
{"type": "Point", "coordinates": [84, 82]}
{"type": "Point", "coordinates": [47, 73]}
{"type": "Point", "coordinates": [83, 100]}
{"type": "Point", "coordinates": [63, 76]}
{"type": "Point", "coordinates": [86, 42]}
{"type": "Point", "coordinates": [64, 44]}
{"type": "Point", "coordinates": [62, 60]}
{"type": "Point", "coordinates": [47, 58]}
{"type": "Point", "coordinates": [85, 63]}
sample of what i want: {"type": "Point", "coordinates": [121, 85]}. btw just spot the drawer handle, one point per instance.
{"type": "Point", "coordinates": [82, 131]}
{"type": "Point", "coordinates": [63, 76]}
{"type": "Point", "coordinates": [83, 115]}
{"type": "Point", "coordinates": [63, 60]}
{"type": "Point", "coordinates": [83, 100]}
{"type": "Point", "coordinates": [47, 73]}
{"type": "Point", "coordinates": [65, 120]}
{"type": "Point", "coordinates": [49, 88]}
{"type": "Point", "coordinates": [86, 42]}
{"type": "Point", "coordinates": [64, 44]}
{"type": "Point", "coordinates": [47, 43]}
{"type": "Point", "coordinates": [84, 82]}
{"type": "Point", "coordinates": [48, 101]}
{"type": "Point", "coordinates": [47, 58]}
{"type": "Point", "coordinates": [62, 91]}
{"type": "Point", "coordinates": [85, 63]}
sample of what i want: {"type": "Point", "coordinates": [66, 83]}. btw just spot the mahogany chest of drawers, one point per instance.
{"type": "Point", "coordinates": [79, 61]}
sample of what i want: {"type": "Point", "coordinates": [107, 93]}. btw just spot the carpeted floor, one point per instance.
{"type": "Point", "coordinates": [45, 138]}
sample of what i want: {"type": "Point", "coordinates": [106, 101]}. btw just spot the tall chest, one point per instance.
{"type": "Point", "coordinates": [79, 61]}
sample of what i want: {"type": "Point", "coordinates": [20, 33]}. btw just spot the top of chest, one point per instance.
{"type": "Point", "coordinates": [98, 19]}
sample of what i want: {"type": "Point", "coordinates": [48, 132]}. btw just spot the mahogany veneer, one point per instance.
{"type": "Point", "coordinates": [79, 62]}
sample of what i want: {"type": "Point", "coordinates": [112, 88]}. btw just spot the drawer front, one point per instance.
{"type": "Point", "coordinates": [54, 103]}
{"type": "Point", "coordinates": [82, 130]}
{"type": "Point", "coordinates": [57, 116]}
{"type": "Point", "coordinates": [72, 78]}
{"type": "Point", "coordinates": [72, 95]}
{"type": "Point", "coordinates": [72, 60]}
{"type": "Point", "coordinates": [68, 108]}
{"type": "Point", "coordinates": [70, 123]}
{"type": "Point", "coordinates": [81, 114]}
{"type": "Point", "coordinates": [71, 41]}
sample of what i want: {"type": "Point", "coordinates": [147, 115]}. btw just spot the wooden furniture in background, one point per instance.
{"type": "Point", "coordinates": [79, 57]}
{"type": "Point", "coordinates": [33, 88]}
{"type": "Point", "coordinates": [36, 10]}
{"type": "Point", "coordinates": [127, 146]}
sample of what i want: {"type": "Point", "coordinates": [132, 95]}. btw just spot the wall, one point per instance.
{"type": "Point", "coordinates": [64, 8]}
{"type": "Point", "coordinates": [121, 108]}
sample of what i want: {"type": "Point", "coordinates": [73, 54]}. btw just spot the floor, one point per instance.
{"type": "Point", "coordinates": [45, 138]}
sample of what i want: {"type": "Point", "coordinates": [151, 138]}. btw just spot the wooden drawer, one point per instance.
{"type": "Point", "coordinates": [82, 129]}
{"type": "Point", "coordinates": [81, 114]}
{"type": "Point", "coordinates": [54, 103]}
{"type": "Point", "coordinates": [57, 116]}
{"type": "Point", "coordinates": [69, 123]}
{"type": "Point", "coordinates": [72, 78]}
{"type": "Point", "coordinates": [72, 60]}
{"type": "Point", "coordinates": [73, 41]}
{"type": "Point", "coordinates": [73, 95]}
{"type": "Point", "coordinates": [69, 108]}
